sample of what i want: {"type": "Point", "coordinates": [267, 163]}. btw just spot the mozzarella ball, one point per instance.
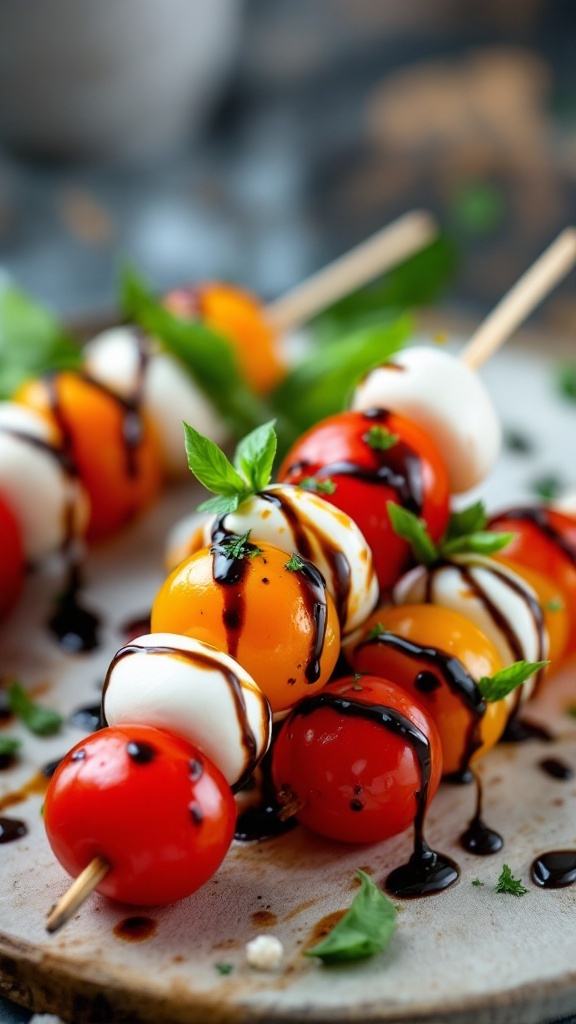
{"type": "Point", "coordinates": [294, 519]}
{"type": "Point", "coordinates": [497, 600]}
{"type": "Point", "coordinates": [130, 365]}
{"type": "Point", "coordinates": [39, 483]}
{"type": "Point", "coordinates": [189, 688]}
{"type": "Point", "coordinates": [448, 400]}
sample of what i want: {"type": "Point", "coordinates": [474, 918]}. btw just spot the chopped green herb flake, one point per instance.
{"type": "Point", "coordinates": [555, 604]}
{"type": "Point", "coordinates": [508, 884]}
{"type": "Point", "coordinates": [312, 483]}
{"type": "Point", "coordinates": [477, 882]}
{"type": "Point", "coordinates": [375, 632]}
{"type": "Point", "coordinates": [548, 486]}
{"type": "Point", "coordinates": [366, 928]}
{"type": "Point", "coordinates": [240, 547]}
{"type": "Point", "coordinates": [9, 746]}
{"type": "Point", "coordinates": [294, 563]}
{"type": "Point", "coordinates": [567, 380]}
{"type": "Point", "coordinates": [224, 968]}
{"type": "Point", "coordinates": [39, 720]}
{"type": "Point", "coordinates": [379, 438]}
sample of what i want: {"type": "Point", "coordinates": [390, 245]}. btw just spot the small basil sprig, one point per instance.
{"type": "Point", "coordinates": [39, 720]}
{"type": "Point", "coordinates": [464, 535]}
{"type": "Point", "coordinates": [366, 928]}
{"type": "Point", "coordinates": [32, 341]}
{"type": "Point", "coordinates": [497, 687]}
{"type": "Point", "coordinates": [251, 472]}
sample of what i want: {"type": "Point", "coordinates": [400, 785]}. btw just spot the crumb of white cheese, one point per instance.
{"type": "Point", "coordinates": [264, 953]}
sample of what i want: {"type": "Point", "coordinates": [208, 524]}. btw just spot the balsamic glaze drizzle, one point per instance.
{"type": "Point", "coordinates": [479, 838]}
{"type": "Point", "coordinates": [12, 829]}
{"type": "Point", "coordinates": [554, 870]}
{"type": "Point", "coordinates": [427, 871]}
{"type": "Point", "coordinates": [556, 769]}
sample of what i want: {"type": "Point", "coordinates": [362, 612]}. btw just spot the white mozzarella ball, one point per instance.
{"type": "Point", "coordinates": [264, 953]}
{"type": "Point", "coordinates": [130, 365]}
{"type": "Point", "coordinates": [191, 689]}
{"type": "Point", "coordinates": [502, 604]}
{"type": "Point", "coordinates": [294, 519]}
{"type": "Point", "coordinates": [448, 400]}
{"type": "Point", "coordinates": [38, 482]}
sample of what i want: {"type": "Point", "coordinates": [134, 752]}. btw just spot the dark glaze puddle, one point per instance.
{"type": "Point", "coordinates": [87, 718]}
{"type": "Point", "coordinates": [554, 870]}
{"type": "Point", "coordinates": [12, 829]}
{"type": "Point", "coordinates": [556, 769]}
{"type": "Point", "coordinates": [479, 838]}
{"type": "Point", "coordinates": [136, 929]}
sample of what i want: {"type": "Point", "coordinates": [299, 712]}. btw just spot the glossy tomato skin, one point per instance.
{"type": "Point", "coordinates": [355, 779]}
{"type": "Point", "coordinates": [12, 565]}
{"type": "Point", "coordinates": [546, 542]}
{"type": "Point", "coordinates": [448, 633]}
{"type": "Point", "coordinates": [149, 803]}
{"type": "Point", "coordinates": [267, 620]}
{"type": "Point", "coordinates": [113, 447]}
{"type": "Point", "coordinates": [411, 472]}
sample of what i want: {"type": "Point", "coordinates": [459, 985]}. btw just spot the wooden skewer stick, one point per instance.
{"type": "Point", "coordinates": [535, 284]}
{"type": "Point", "coordinates": [379, 253]}
{"type": "Point", "coordinates": [81, 888]}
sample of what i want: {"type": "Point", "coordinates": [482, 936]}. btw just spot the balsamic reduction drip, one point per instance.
{"type": "Point", "coordinates": [397, 467]}
{"type": "Point", "coordinates": [74, 626]}
{"type": "Point", "coordinates": [135, 929]}
{"type": "Point", "coordinates": [201, 661]}
{"type": "Point", "coordinates": [261, 821]}
{"type": "Point", "coordinates": [50, 767]}
{"type": "Point", "coordinates": [314, 594]}
{"type": "Point", "coordinates": [12, 829]}
{"type": "Point", "coordinates": [87, 718]}
{"type": "Point", "coordinates": [478, 837]}
{"type": "Point", "coordinates": [427, 871]}
{"type": "Point", "coordinates": [521, 731]}
{"type": "Point", "coordinates": [340, 570]}
{"type": "Point", "coordinates": [141, 753]}
{"type": "Point", "coordinates": [555, 869]}
{"type": "Point", "coordinates": [7, 761]}
{"type": "Point", "coordinates": [452, 671]}
{"type": "Point", "coordinates": [556, 769]}
{"type": "Point", "coordinates": [426, 682]}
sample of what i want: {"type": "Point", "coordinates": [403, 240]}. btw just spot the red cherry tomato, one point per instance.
{"type": "Point", "coordinates": [11, 559]}
{"type": "Point", "coordinates": [351, 759]}
{"type": "Point", "coordinates": [546, 542]}
{"type": "Point", "coordinates": [150, 804]}
{"type": "Point", "coordinates": [350, 449]}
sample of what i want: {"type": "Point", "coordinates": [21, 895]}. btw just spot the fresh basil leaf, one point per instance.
{"type": "Point", "coordinates": [32, 341]}
{"type": "Point", "coordinates": [208, 357]}
{"type": "Point", "coordinates": [482, 543]}
{"type": "Point", "coordinates": [210, 466]}
{"type": "Point", "coordinates": [498, 686]}
{"type": "Point", "coordinates": [39, 720]}
{"type": "Point", "coordinates": [254, 456]}
{"type": "Point", "coordinates": [220, 505]}
{"type": "Point", "coordinates": [469, 520]}
{"type": "Point", "coordinates": [408, 526]}
{"type": "Point", "coordinates": [419, 281]}
{"type": "Point", "coordinates": [366, 928]}
{"type": "Point", "coordinates": [9, 746]}
{"type": "Point", "coordinates": [320, 385]}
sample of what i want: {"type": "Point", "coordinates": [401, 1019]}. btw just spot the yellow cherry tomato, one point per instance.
{"type": "Point", "coordinates": [436, 655]}
{"type": "Point", "coordinates": [238, 316]}
{"type": "Point", "coordinates": [278, 622]}
{"type": "Point", "coordinates": [113, 447]}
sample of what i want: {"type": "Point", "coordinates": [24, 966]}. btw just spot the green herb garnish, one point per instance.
{"type": "Point", "coordinates": [366, 928]}
{"type": "Point", "coordinates": [507, 883]}
{"type": "Point", "coordinates": [224, 968]}
{"type": "Point", "coordinates": [375, 632]}
{"type": "Point", "coordinates": [380, 439]}
{"type": "Point", "coordinates": [408, 526]}
{"type": "Point", "coordinates": [555, 604]}
{"type": "Point", "coordinates": [32, 341]}
{"type": "Point", "coordinates": [468, 520]}
{"type": "Point", "coordinates": [477, 882]}
{"type": "Point", "coordinates": [240, 547]}
{"type": "Point", "coordinates": [317, 486]}
{"type": "Point", "coordinates": [39, 720]}
{"type": "Point", "coordinates": [567, 381]}
{"type": "Point", "coordinates": [9, 746]}
{"type": "Point", "coordinates": [295, 562]}
{"type": "Point", "coordinates": [232, 484]}
{"type": "Point", "coordinates": [548, 487]}
{"type": "Point", "coordinates": [480, 543]}
{"type": "Point", "coordinates": [498, 686]}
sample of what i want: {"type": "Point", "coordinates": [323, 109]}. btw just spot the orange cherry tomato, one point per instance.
{"type": "Point", "coordinates": [347, 759]}
{"type": "Point", "coordinates": [437, 656]}
{"type": "Point", "coordinates": [112, 446]}
{"type": "Point", "coordinates": [545, 541]}
{"type": "Point", "coordinates": [552, 602]}
{"type": "Point", "coordinates": [238, 316]}
{"type": "Point", "coordinates": [279, 623]}
{"type": "Point", "coordinates": [12, 565]}
{"type": "Point", "coordinates": [350, 449]}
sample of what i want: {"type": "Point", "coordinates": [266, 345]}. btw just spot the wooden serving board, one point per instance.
{"type": "Point", "coordinates": [466, 955]}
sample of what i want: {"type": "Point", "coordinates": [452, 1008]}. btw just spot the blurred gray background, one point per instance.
{"type": "Point", "coordinates": [254, 141]}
